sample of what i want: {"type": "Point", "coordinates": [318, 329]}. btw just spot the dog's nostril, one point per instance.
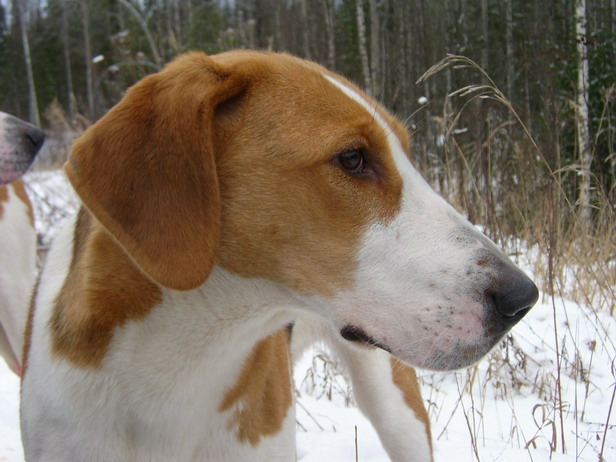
{"type": "Point", "coordinates": [521, 313]}
{"type": "Point", "coordinates": [515, 302]}
{"type": "Point", "coordinates": [36, 138]}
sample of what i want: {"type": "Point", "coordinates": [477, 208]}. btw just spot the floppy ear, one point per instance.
{"type": "Point", "coordinates": [147, 170]}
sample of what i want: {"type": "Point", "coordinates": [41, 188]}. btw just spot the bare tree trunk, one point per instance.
{"type": "Point", "coordinates": [246, 23]}
{"type": "Point", "coordinates": [363, 49]}
{"type": "Point", "coordinates": [582, 117]}
{"type": "Point", "coordinates": [189, 20]}
{"type": "Point", "coordinates": [613, 24]}
{"type": "Point", "coordinates": [509, 46]}
{"type": "Point", "coordinates": [305, 38]}
{"type": "Point", "coordinates": [171, 39]}
{"type": "Point", "coordinates": [240, 25]}
{"type": "Point", "coordinates": [276, 38]}
{"type": "Point", "coordinates": [177, 24]}
{"type": "Point", "coordinates": [484, 29]}
{"type": "Point", "coordinates": [146, 31]}
{"type": "Point", "coordinates": [329, 9]}
{"type": "Point", "coordinates": [411, 63]}
{"type": "Point", "coordinates": [22, 14]}
{"type": "Point", "coordinates": [401, 63]}
{"type": "Point", "coordinates": [375, 47]}
{"type": "Point", "coordinates": [67, 64]}
{"type": "Point", "coordinates": [85, 21]}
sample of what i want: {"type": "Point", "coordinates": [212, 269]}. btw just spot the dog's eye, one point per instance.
{"type": "Point", "coordinates": [352, 161]}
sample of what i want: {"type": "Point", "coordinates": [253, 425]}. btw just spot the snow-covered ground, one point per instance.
{"type": "Point", "coordinates": [507, 408]}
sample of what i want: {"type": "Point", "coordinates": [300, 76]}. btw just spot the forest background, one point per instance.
{"type": "Point", "coordinates": [546, 133]}
{"type": "Point", "coordinates": [510, 103]}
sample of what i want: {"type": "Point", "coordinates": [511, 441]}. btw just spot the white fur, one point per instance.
{"type": "Point", "coordinates": [17, 275]}
{"type": "Point", "coordinates": [165, 374]}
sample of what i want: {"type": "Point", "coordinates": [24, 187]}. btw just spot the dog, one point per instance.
{"type": "Point", "coordinates": [19, 144]}
{"type": "Point", "coordinates": [235, 208]}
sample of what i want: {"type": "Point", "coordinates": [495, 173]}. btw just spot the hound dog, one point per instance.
{"type": "Point", "coordinates": [225, 199]}
{"type": "Point", "coordinates": [19, 143]}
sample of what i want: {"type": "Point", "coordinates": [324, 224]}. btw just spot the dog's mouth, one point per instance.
{"type": "Point", "coordinates": [357, 335]}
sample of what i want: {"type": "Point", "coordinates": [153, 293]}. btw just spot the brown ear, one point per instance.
{"type": "Point", "coordinates": [147, 170]}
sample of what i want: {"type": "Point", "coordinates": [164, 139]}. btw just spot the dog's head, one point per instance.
{"type": "Point", "coordinates": [272, 167]}
{"type": "Point", "coordinates": [19, 143]}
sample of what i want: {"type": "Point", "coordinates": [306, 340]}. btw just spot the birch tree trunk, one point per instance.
{"type": "Point", "coordinates": [582, 117]}
{"type": "Point", "coordinates": [22, 13]}
{"type": "Point", "coordinates": [363, 49]}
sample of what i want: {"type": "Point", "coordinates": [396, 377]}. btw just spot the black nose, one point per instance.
{"type": "Point", "coordinates": [35, 138]}
{"type": "Point", "coordinates": [513, 301]}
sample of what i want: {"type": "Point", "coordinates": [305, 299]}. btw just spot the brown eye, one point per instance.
{"type": "Point", "coordinates": [352, 161]}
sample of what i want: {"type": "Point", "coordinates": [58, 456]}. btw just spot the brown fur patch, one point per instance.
{"type": "Point", "coordinates": [4, 197]}
{"type": "Point", "coordinates": [405, 379]}
{"type": "Point", "coordinates": [289, 214]}
{"type": "Point", "coordinates": [29, 325]}
{"type": "Point", "coordinates": [262, 394]}
{"type": "Point", "coordinates": [20, 190]}
{"type": "Point", "coordinates": [103, 290]}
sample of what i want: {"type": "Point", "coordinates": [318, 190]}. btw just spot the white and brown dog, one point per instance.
{"type": "Point", "coordinates": [227, 198]}
{"type": "Point", "coordinates": [19, 143]}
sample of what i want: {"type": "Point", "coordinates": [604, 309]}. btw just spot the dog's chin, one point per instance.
{"type": "Point", "coordinates": [463, 355]}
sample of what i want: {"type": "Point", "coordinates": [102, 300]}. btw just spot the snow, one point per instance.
{"type": "Point", "coordinates": [504, 409]}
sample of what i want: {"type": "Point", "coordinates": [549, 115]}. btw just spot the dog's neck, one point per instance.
{"type": "Point", "coordinates": [226, 299]}
{"type": "Point", "coordinates": [228, 313]}
{"type": "Point", "coordinates": [105, 292]}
